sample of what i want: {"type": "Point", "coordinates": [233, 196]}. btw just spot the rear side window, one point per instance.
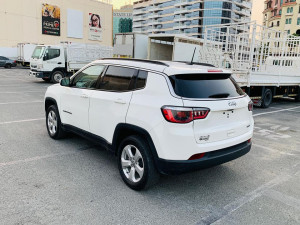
{"type": "Point", "coordinates": [117, 78]}
{"type": "Point", "coordinates": [141, 79]}
{"type": "Point", "coordinates": [205, 86]}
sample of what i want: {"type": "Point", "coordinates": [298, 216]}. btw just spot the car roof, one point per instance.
{"type": "Point", "coordinates": [167, 67]}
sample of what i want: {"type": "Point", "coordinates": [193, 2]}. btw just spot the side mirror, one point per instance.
{"type": "Point", "coordinates": [65, 82]}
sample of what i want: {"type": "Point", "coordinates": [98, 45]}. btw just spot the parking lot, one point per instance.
{"type": "Point", "coordinates": [73, 181]}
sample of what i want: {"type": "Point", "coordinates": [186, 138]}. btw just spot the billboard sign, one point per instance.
{"type": "Point", "coordinates": [95, 27]}
{"type": "Point", "coordinates": [50, 20]}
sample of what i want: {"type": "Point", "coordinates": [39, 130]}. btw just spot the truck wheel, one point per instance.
{"type": "Point", "coordinates": [267, 98]}
{"type": "Point", "coordinates": [136, 164]}
{"type": "Point", "coordinates": [297, 98]}
{"type": "Point", "coordinates": [53, 123]}
{"type": "Point", "coordinates": [56, 77]}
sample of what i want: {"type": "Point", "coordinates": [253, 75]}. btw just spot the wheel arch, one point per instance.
{"type": "Point", "coordinates": [50, 101]}
{"type": "Point", "coordinates": [124, 130]}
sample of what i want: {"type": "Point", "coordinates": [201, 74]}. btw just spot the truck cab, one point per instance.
{"type": "Point", "coordinates": [48, 63]}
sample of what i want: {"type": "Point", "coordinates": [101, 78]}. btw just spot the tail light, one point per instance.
{"type": "Point", "coordinates": [15, 61]}
{"type": "Point", "coordinates": [183, 115]}
{"type": "Point", "coordinates": [250, 106]}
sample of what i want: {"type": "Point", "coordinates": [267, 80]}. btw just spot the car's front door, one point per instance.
{"type": "Point", "coordinates": [75, 99]}
{"type": "Point", "coordinates": [109, 105]}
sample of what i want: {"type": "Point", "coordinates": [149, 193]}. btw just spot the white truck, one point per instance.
{"type": "Point", "coordinates": [264, 62]}
{"type": "Point", "coordinates": [130, 45]}
{"type": "Point", "coordinates": [25, 51]}
{"type": "Point", "coordinates": [174, 47]}
{"type": "Point", "coordinates": [53, 62]}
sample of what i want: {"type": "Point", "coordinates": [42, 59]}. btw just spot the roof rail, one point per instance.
{"type": "Point", "coordinates": [196, 63]}
{"type": "Point", "coordinates": [139, 60]}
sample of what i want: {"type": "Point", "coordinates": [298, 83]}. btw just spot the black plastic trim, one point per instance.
{"type": "Point", "coordinates": [92, 137]}
{"type": "Point", "coordinates": [139, 60]}
{"type": "Point", "coordinates": [210, 159]}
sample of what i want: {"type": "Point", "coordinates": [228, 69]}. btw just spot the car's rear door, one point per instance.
{"type": "Point", "coordinates": [109, 105]}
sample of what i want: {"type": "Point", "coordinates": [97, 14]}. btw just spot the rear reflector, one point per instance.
{"type": "Point", "coordinates": [183, 115]}
{"type": "Point", "coordinates": [249, 141]}
{"type": "Point", "coordinates": [250, 106]}
{"type": "Point", "coordinates": [214, 71]}
{"type": "Point", "coordinates": [197, 156]}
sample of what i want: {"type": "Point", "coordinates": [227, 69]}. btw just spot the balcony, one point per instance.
{"type": "Point", "coordinates": [138, 24]}
{"type": "Point", "coordinates": [182, 18]}
{"type": "Point", "coordinates": [155, 9]}
{"type": "Point", "coordinates": [155, 15]}
{"type": "Point", "coordinates": [181, 11]}
{"type": "Point", "coordinates": [138, 18]}
{"type": "Point", "coordinates": [150, 23]}
{"type": "Point", "coordinates": [183, 3]}
{"type": "Point", "coordinates": [178, 27]}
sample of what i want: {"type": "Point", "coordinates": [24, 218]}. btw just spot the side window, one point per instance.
{"type": "Point", "coordinates": [141, 79]}
{"type": "Point", "coordinates": [52, 53]}
{"type": "Point", "coordinates": [88, 77]}
{"type": "Point", "coordinates": [117, 78]}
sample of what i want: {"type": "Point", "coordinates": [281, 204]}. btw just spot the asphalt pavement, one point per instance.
{"type": "Point", "coordinates": [73, 181]}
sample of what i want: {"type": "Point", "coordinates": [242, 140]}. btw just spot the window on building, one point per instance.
{"type": "Point", "coordinates": [298, 21]}
{"type": "Point", "coordinates": [288, 10]}
{"type": "Point", "coordinates": [278, 23]}
{"type": "Point", "coordinates": [287, 21]}
{"type": "Point", "coordinates": [290, 20]}
{"type": "Point", "coordinates": [291, 9]}
{"type": "Point", "coordinates": [281, 1]}
{"type": "Point", "coordinates": [289, 31]}
{"type": "Point", "coordinates": [281, 11]}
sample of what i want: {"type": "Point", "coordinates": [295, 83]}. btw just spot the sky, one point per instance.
{"type": "Point", "coordinates": [258, 7]}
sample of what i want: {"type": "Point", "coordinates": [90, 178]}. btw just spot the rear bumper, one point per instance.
{"type": "Point", "coordinates": [210, 159]}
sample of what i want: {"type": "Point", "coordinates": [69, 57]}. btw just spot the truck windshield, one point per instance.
{"type": "Point", "coordinates": [38, 52]}
{"type": "Point", "coordinates": [205, 86]}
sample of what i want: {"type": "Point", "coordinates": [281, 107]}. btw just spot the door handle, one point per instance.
{"type": "Point", "coordinates": [120, 101]}
{"type": "Point", "coordinates": [84, 96]}
{"type": "Point", "coordinates": [59, 63]}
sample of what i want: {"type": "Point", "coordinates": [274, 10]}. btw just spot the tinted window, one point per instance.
{"type": "Point", "coordinates": [88, 77]}
{"type": "Point", "coordinates": [117, 79]}
{"type": "Point", "coordinates": [52, 53]}
{"type": "Point", "coordinates": [205, 86]}
{"type": "Point", "coordinates": [141, 79]}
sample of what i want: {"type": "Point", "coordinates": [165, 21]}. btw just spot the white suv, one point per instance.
{"type": "Point", "coordinates": [158, 117]}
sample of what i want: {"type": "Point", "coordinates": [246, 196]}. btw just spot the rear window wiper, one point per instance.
{"type": "Point", "coordinates": [219, 95]}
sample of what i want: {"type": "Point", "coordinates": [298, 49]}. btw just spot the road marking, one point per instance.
{"type": "Point", "coordinates": [286, 199]}
{"type": "Point", "coordinates": [34, 159]}
{"type": "Point", "coordinates": [7, 103]}
{"type": "Point", "coordinates": [219, 216]}
{"type": "Point", "coordinates": [259, 114]}
{"type": "Point", "coordinates": [21, 121]}
{"type": "Point", "coordinates": [273, 149]}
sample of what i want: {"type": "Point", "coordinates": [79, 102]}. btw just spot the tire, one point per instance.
{"type": "Point", "coordinates": [297, 98]}
{"type": "Point", "coordinates": [53, 123]}
{"type": "Point", "coordinates": [57, 76]}
{"type": "Point", "coordinates": [267, 98]}
{"type": "Point", "coordinates": [8, 66]}
{"type": "Point", "coordinates": [140, 160]}
{"type": "Point", "coordinates": [47, 80]}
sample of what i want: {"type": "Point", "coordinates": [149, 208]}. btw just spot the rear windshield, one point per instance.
{"type": "Point", "coordinates": [205, 86]}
